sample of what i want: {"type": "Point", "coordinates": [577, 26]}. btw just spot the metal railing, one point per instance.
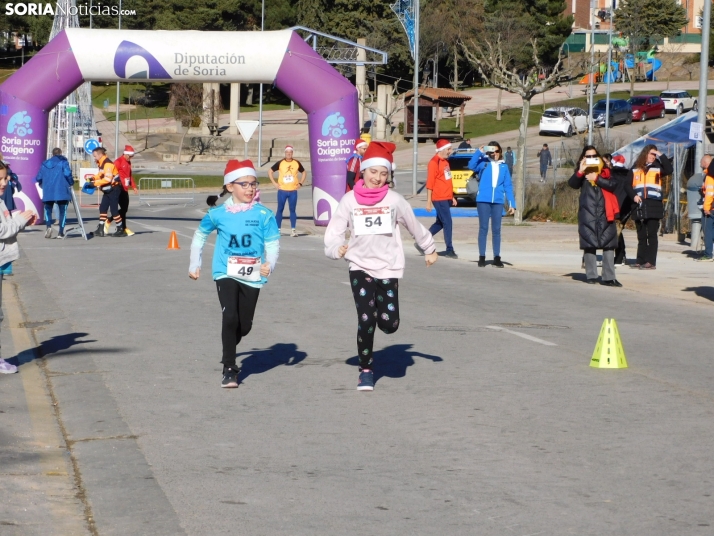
{"type": "Point", "coordinates": [169, 191]}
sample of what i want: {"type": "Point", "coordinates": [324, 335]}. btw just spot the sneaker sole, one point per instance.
{"type": "Point", "coordinates": [9, 371]}
{"type": "Point", "coordinates": [365, 388]}
{"type": "Point", "coordinates": [230, 385]}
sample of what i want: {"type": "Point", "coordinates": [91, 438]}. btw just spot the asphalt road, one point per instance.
{"type": "Point", "coordinates": [485, 419]}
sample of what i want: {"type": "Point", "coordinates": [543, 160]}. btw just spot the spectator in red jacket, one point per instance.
{"type": "Point", "coordinates": [123, 165]}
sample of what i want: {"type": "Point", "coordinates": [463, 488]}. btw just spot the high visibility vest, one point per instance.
{"type": "Point", "coordinates": [708, 191]}
{"type": "Point", "coordinates": [647, 184]}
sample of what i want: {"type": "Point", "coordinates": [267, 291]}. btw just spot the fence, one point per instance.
{"type": "Point", "coordinates": [170, 191]}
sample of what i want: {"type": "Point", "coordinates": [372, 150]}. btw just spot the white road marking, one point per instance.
{"type": "Point", "coordinates": [522, 335]}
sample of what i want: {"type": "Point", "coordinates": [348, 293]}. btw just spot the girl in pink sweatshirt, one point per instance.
{"type": "Point", "coordinates": [371, 212]}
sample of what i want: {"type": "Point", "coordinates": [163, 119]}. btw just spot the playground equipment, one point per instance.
{"type": "Point", "coordinates": [645, 57]}
{"type": "Point", "coordinates": [283, 58]}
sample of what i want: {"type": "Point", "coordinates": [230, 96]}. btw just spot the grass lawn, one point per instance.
{"type": "Point", "coordinates": [200, 181]}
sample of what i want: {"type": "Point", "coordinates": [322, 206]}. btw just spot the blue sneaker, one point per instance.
{"type": "Point", "coordinates": [366, 380]}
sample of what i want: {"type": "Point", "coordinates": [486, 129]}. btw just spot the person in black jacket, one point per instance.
{"type": "Point", "coordinates": [625, 198]}
{"type": "Point", "coordinates": [647, 176]}
{"type": "Point", "coordinates": [597, 230]}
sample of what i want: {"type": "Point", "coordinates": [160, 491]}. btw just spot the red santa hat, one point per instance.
{"type": "Point", "coordinates": [129, 150]}
{"type": "Point", "coordinates": [442, 144]}
{"type": "Point", "coordinates": [379, 153]}
{"type": "Point", "coordinates": [618, 160]}
{"type": "Point", "coordinates": [360, 143]}
{"type": "Point", "coordinates": [235, 169]}
{"type": "Point", "coordinates": [289, 148]}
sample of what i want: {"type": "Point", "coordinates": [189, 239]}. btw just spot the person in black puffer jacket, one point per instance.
{"type": "Point", "coordinates": [596, 217]}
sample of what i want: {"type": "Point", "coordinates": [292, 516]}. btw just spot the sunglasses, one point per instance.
{"type": "Point", "coordinates": [246, 185]}
{"type": "Point", "coordinates": [591, 155]}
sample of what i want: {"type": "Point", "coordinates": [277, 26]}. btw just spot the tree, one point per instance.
{"type": "Point", "coordinates": [500, 56]}
{"type": "Point", "coordinates": [546, 23]}
{"type": "Point", "coordinates": [647, 21]}
{"type": "Point", "coordinates": [371, 105]}
{"type": "Point", "coordinates": [188, 108]}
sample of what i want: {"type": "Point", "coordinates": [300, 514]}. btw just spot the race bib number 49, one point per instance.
{"type": "Point", "coordinates": [245, 268]}
{"type": "Point", "coordinates": [372, 221]}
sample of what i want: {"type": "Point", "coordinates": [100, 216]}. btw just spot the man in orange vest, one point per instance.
{"type": "Point", "coordinates": [123, 165]}
{"type": "Point", "coordinates": [440, 194]}
{"type": "Point", "coordinates": [708, 208]}
{"type": "Point", "coordinates": [107, 180]}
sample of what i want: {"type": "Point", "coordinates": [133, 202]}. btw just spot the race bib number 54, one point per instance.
{"type": "Point", "coordinates": [245, 268]}
{"type": "Point", "coordinates": [372, 221]}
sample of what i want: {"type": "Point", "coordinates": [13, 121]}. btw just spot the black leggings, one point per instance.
{"type": "Point", "coordinates": [377, 302]}
{"type": "Point", "coordinates": [238, 302]}
{"type": "Point", "coordinates": [123, 204]}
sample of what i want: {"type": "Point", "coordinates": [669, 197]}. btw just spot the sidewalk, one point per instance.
{"type": "Point", "coordinates": [553, 249]}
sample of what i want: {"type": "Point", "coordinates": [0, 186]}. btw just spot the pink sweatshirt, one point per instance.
{"type": "Point", "coordinates": [380, 255]}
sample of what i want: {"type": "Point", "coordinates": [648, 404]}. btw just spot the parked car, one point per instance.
{"type": "Point", "coordinates": [646, 107]}
{"type": "Point", "coordinates": [563, 120]}
{"type": "Point", "coordinates": [678, 101]}
{"type": "Point", "coordinates": [460, 173]}
{"type": "Point", "coordinates": [620, 112]}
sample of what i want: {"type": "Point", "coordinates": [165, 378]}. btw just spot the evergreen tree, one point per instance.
{"type": "Point", "coordinates": [544, 17]}
{"type": "Point", "coordinates": [647, 21]}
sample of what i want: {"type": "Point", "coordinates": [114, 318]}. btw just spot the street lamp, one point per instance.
{"type": "Point", "coordinates": [592, 74]}
{"type": "Point", "coordinates": [116, 118]}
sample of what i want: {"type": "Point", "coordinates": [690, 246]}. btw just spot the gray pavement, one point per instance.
{"type": "Point", "coordinates": [471, 429]}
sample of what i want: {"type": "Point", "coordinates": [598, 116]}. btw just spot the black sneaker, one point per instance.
{"type": "Point", "coordinates": [119, 232]}
{"type": "Point", "coordinates": [611, 283]}
{"type": "Point", "coordinates": [482, 261]}
{"type": "Point", "coordinates": [366, 380]}
{"type": "Point", "coordinates": [230, 378]}
{"type": "Point", "coordinates": [451, 254]}
{"type": "Point", "coordinates": [100, 230]}
{"type": "Point", "coordinates": [497, 262]}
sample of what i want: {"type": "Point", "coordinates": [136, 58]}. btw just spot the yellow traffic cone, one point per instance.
{"type": "Point", "coordinates": [609, 352]}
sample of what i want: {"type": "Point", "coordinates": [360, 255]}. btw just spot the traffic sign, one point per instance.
{"type": "Point", "coordinates": [246, 128]}
{"type": "Point", "coordinates": [90, 145]}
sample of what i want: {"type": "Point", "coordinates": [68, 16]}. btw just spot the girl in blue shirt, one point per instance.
{"type": "Point", "coordinates": [493, 190]}
{"type": "Point", "coordinates": [245, 255]}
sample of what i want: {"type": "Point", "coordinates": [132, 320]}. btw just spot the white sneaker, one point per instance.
{"type": "Point", "coordinates": [48, 232]}
{"type": "Point", "coordinates": [7, 368]}
{"type": "Point", "coordinates": [129, 232]}
{"type": "Point", "coordinates": [107, 225]}
{"type": "Point", "coordinates": [293, 233]}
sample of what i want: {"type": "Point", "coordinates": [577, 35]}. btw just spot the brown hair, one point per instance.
{"type": "Point", "coordinates": [4, 166]}
{"type": "Point", "coordinates": [585, 150]}
{"type": "Point", "coordinates": [641, 161]}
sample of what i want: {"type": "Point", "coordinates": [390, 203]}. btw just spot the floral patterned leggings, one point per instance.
{"type": "Point", "coordinates": [377, 302]}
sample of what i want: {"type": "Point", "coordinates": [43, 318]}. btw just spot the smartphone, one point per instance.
{"type": "Point", "coordinates": [490, 149]}
{"type": "Point", "coordinates": [592, 161]}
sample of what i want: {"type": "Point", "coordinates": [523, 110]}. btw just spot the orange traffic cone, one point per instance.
{"type": "Point", "coordinates": [173, 241]}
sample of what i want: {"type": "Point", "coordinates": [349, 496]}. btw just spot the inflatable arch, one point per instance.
{"type": "Point", "coordinates": [281, 57]}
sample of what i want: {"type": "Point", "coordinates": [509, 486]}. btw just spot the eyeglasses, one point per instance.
{"type": "Point", "coordinates": [246, 185]}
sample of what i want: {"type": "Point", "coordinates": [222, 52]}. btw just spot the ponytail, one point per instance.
{"type": "Point", "coordinates": [211, 200]}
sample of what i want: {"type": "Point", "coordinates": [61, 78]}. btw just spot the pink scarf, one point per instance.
{"type": "Point", "coordinates": [369, 196]}
{"type": "Point", "coordinates": [234, 208]}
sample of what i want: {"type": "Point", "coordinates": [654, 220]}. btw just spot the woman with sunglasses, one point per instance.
{"type": "Point", "coordinates": [597, 212]}
{"type": "Point", "coordinates": [647, 174]}
{"type": "Point", "coordinates": [494, 189]}
{"type": "Point", "coordinates": [245, 255]}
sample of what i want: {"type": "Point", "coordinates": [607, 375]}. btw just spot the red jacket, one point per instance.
{"type": "Point", "coordinates": [124, 168]}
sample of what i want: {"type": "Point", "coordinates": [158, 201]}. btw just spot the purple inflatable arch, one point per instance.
{"type": "Point", "coordinates": [283, 58]}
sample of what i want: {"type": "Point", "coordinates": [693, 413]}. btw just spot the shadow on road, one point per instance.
{"type": "Point", "coordinates": [577, 276]}
{"type": "Point", "coordinates": [260, 361]}
{"type": "Point", "coordinates": [394, 360]}
{"type": "Point", "coordinates": [702, 292]}
{"type": "Point", "coordinates": [60, 344]}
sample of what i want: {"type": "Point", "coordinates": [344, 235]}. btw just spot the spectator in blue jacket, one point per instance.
{"type": "Point", "coordinates": [55, 178]}
{"type": "Point", "coordinates": [494, 189]}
